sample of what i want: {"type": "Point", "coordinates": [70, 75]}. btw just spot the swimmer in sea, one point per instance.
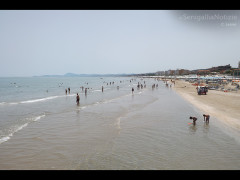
{"type": "Point", "coordinates": [77, 99]}
{"type": "Point", "coordinates": [194, 119]}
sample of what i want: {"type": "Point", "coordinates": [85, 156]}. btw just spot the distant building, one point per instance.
{"type": "Point", "coordinates": [183, 72]}
{"type": "Point", "coordinates": [170, 72]}
{"type": "Point", "coordinates": [160, 73]}
{"type": "Point", "coordinates": [212, 70]}
{"type": "Point", "coordinates": [203, 72]}
{"type": "Point", "coordinates": [220, 68]}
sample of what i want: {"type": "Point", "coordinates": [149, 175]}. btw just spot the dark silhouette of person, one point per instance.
{"type": "Point", "coordinates": [206, 117]}
{"type": "Point", "coordinates": [194, 119]}
{"type": "Point", "coordinates": [77, 99]}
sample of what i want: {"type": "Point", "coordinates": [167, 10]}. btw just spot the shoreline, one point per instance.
{"type": "Point", "coordinates": [120, 131]}
{"type": "Point", "coordinates": [222, 105]}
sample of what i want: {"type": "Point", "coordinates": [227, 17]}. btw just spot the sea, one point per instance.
{"type": "Point", "coordinates": [42, 127]}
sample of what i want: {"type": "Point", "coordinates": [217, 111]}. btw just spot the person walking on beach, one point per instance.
{"type": "Point", "coordinates": [77, 99]}
{"type": "Point", "coordinates": [102, 88]}
{"type": "Point", "coordinates": [194, 119]}
{"type": "Point", "coordinates": [206, 117]}
{"type": "Point", "coordinates": [132, 90]}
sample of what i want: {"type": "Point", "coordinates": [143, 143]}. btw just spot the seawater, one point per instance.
{"type": "Point", "coordinates": [25, 100]}
{"type": "Point", "coordinates": [42, 128]}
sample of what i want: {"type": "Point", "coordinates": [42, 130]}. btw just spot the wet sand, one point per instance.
{"type": "Point", "coordinates": [222, 105]}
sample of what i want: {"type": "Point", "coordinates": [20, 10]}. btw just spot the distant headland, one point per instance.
{"type": "Point", "coordinates": [86, 75]}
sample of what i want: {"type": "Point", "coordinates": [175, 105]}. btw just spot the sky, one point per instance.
{"type": "Point", "coordinates": [55, 42]}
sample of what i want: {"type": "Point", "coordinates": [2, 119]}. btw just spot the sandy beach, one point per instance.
{"type": "Point", "coordinates": [222, 105]}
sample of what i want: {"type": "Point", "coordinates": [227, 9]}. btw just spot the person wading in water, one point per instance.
{"type": "Point", "coordinates": [77, 99]}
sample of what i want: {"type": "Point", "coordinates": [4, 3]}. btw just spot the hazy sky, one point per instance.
{"type": "Point", "coordinates": [39, 42]}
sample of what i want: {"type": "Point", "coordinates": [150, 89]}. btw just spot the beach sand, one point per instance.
{"type": "Point", "coordinates": [222, 105]}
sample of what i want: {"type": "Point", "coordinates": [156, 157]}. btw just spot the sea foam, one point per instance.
{"type": "Point", "coordinates": [17, 128]}
{"type": "Point", "coordinates": [32, 100]}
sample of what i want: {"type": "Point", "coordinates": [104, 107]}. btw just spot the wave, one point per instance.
{"type": "Point", "coordinates": [34, 100]}
{"type": "Point", "coordinates": [38, 100]}
{"type": "Point", "coordinates": [2, 103]}
{"type": "Point", "coordinates": [38, 117]}
{"type": "Point", "coordinates": [97, 90]}
{"type": "Point", "coordinates": [17, 128]}
{"type": "Point", "coordinates": [46, 98]}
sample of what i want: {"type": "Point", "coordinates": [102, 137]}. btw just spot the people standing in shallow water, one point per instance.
{"type": "Point", "coordinates": [69, 90]}
{"type": "Point", "coordinates": [132, 90]}
{"type": "Point", "coordinates": [85, 91]}
{"type": "Point", "coordinates": [207, 117]}
{"type": "Point", "coordinates": [66, 91]}
{"type": "Point", "coordinates": [77, 99]}
{"type": "Point", "coordinates": [102, 88]}
{"type": "Point", "coordinates": [194, 119]}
